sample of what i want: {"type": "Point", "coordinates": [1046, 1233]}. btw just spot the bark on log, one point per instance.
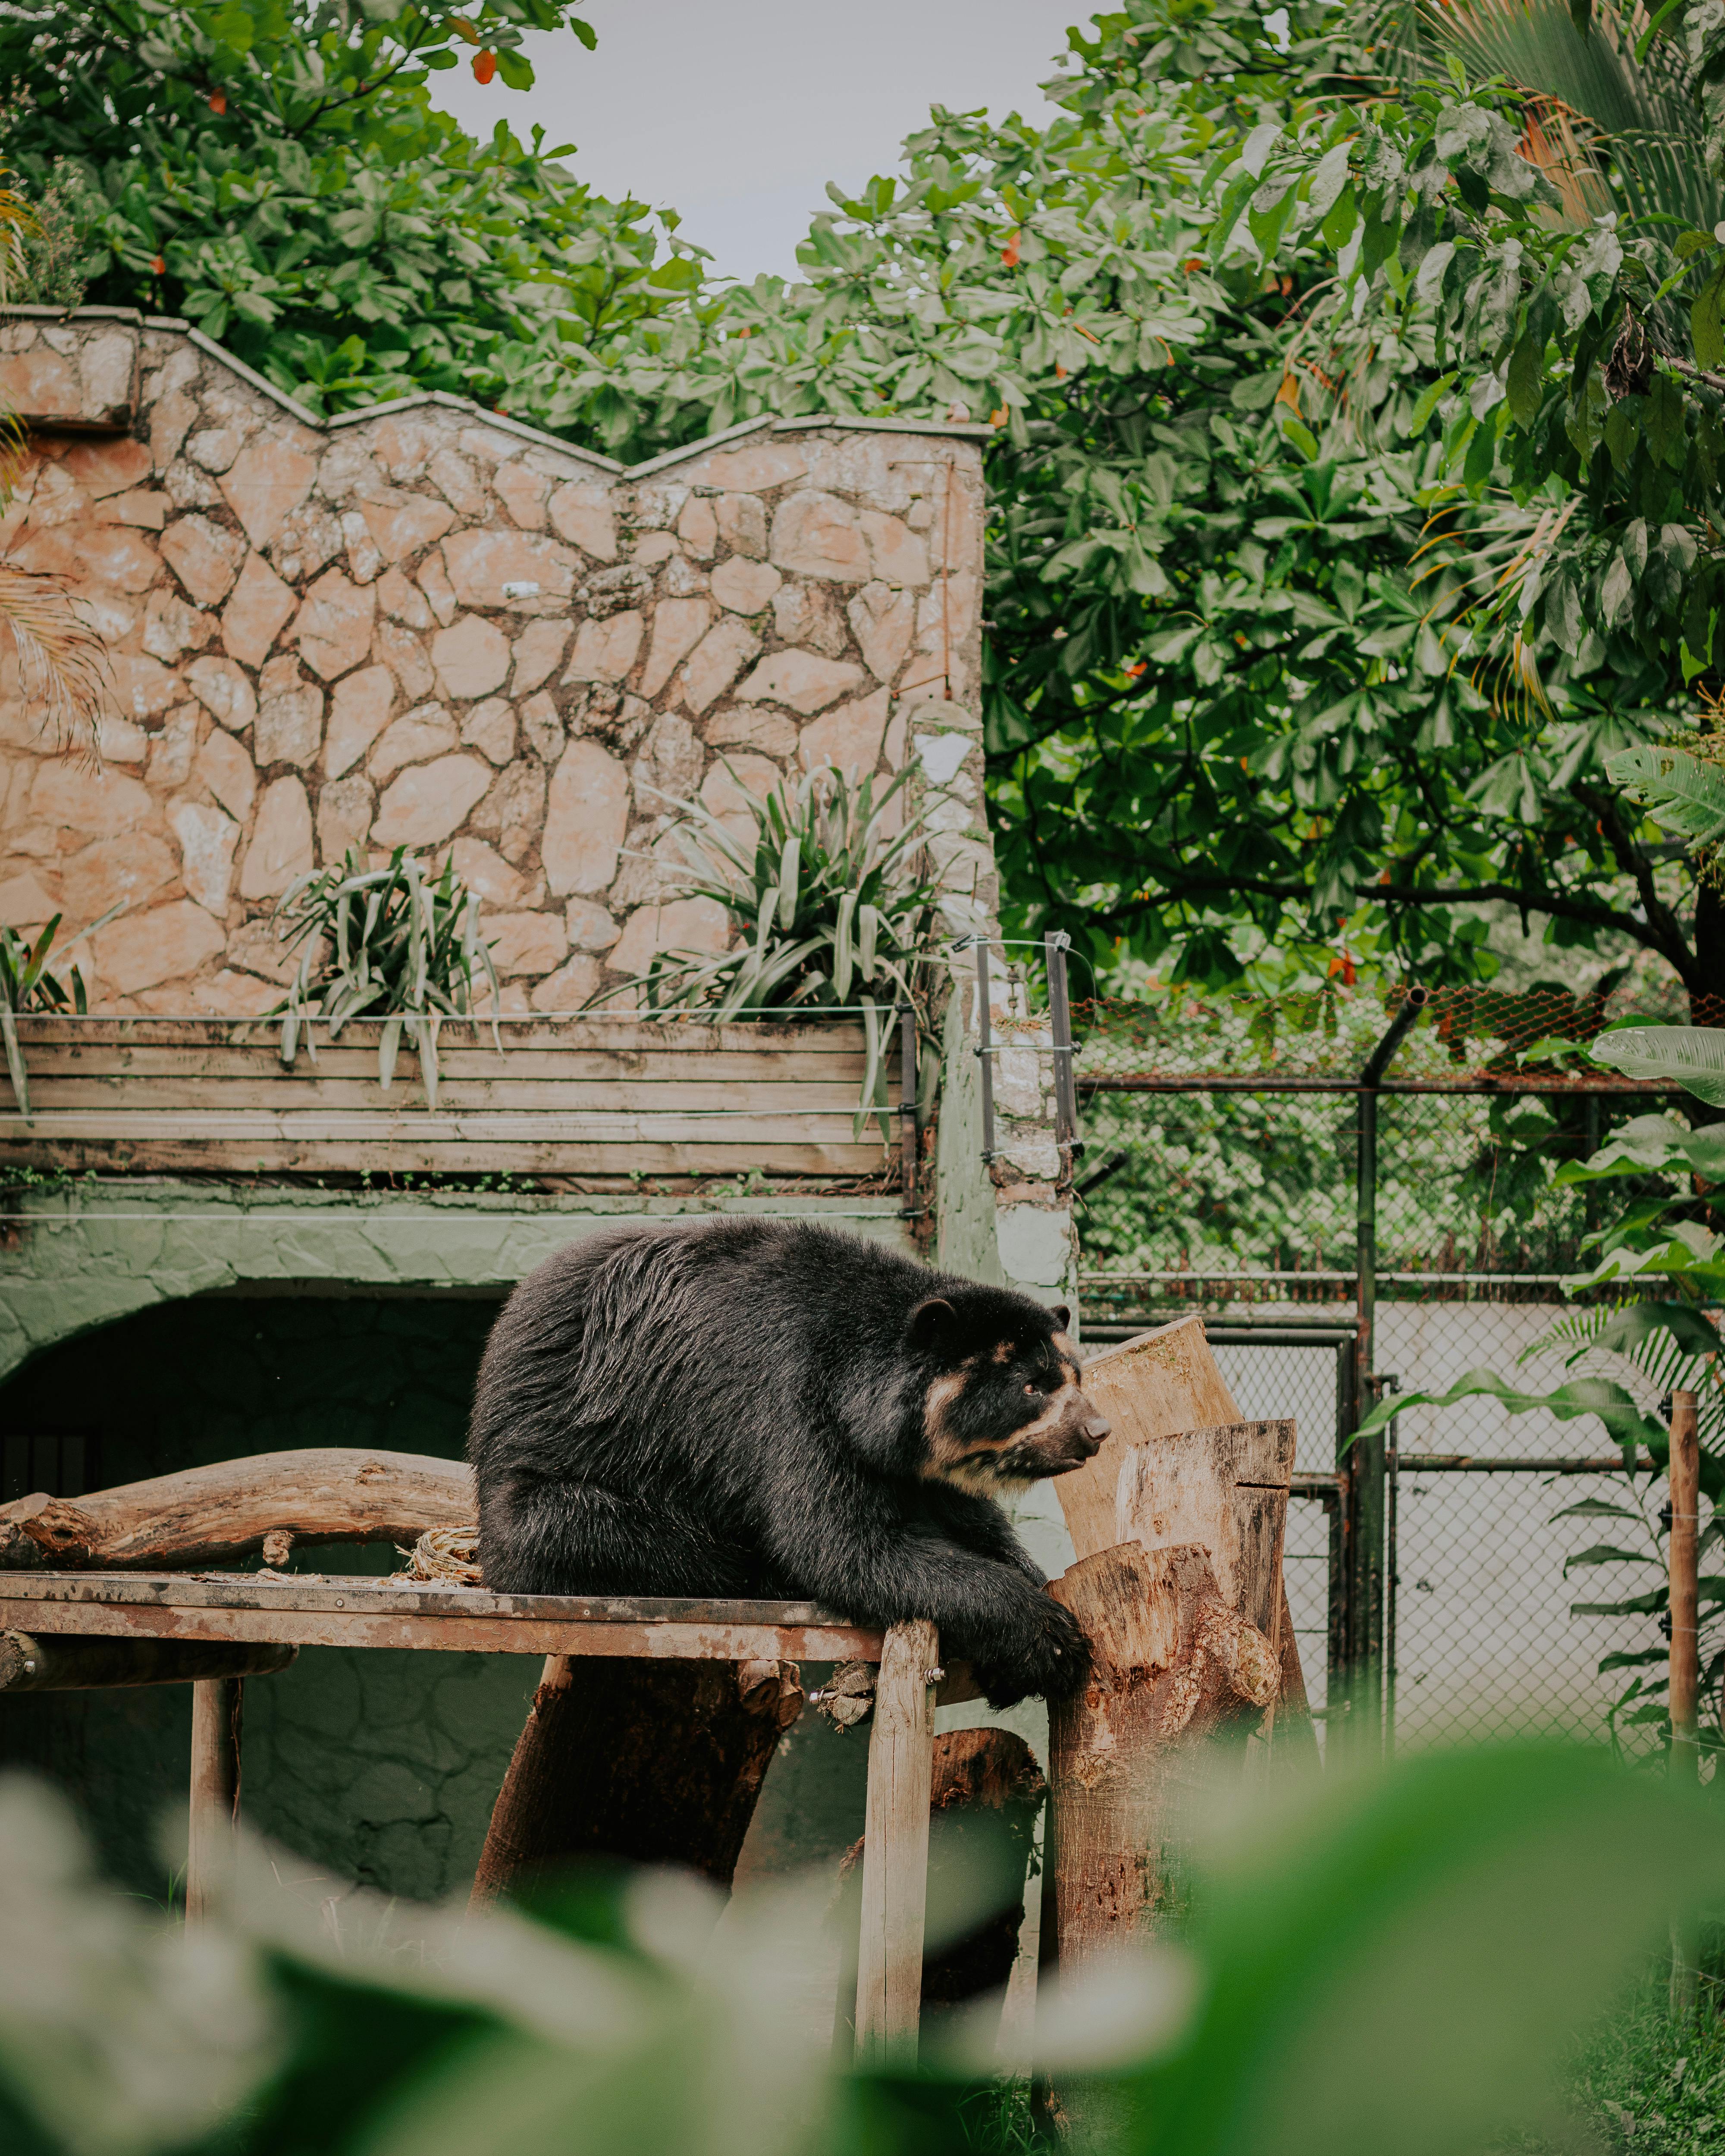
{"type": "Point", "coordinates": [48, 1661]}
{"type": "Point", "coordinates": [1173, 1665]}
{"type": "Point", "coordinates": [1156, 1384]}
{"type": "Point", "coordinates": [652, 1761]}
{"type": "Point", "coordinates": [207, 1516]}
{"type": "Point", "coordinates": [986, 1792]}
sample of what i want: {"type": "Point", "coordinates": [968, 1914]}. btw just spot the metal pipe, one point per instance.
{"type": "Point", "coordinates": [1059, 1014]}
{"type": "Point", "coordinates": [907, 1103]}
{"type": "Point", "coordinates": [1394, 1033]}
{"type": "Point", "coordinates": [1096, 1082]}
{"type": "Point", "coordinates": [985, 1048]}
{"type": "Point", "coordinates": [1468, 1463]}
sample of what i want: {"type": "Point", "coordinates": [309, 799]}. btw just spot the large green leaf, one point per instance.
{"type": "Point", "coordinates": [1691, 1056]}
{"type": "Point", "coordinates": [1684, 796]}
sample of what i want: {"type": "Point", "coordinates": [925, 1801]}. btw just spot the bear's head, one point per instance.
{"type": "Point", "coordinates": [1003, 1404]}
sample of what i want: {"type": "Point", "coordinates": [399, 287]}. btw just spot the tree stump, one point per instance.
{"type": "Point", "coordinates": [1174, 1665]}
{"type": "Point", "coordinates": [650, 1761]}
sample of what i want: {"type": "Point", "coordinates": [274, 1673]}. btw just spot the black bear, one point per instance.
{"type": "Point", "coordinates": [771, 1408]}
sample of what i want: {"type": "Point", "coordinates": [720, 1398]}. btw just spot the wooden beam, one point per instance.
{"type": "Point", "coordinates": [205, 1516]}
{"type": "Point", "coordinates": [895, 1879]}
{"type": "Point", "coordinates": [217, 1705]}
{"type": "Point", "coordinates": [654, 1762]}
{"type": "Point", "coordinates": [47, 1662]}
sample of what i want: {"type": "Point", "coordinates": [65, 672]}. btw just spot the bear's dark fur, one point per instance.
{"type": "Point", "coordinates": [767, 1408]}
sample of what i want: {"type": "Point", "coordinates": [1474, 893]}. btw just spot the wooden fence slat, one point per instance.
{"type": "Point", "coordinates": [895, 1881]}
{"type": "Point", "coordinates": [309, 1093]}
{"type": "Point", "coordinates": [56, 1060]}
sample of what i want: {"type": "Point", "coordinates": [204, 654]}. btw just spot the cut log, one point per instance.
{"type": "Point", "coordinates": [1225, 1489]}
{"type": "Point", "coordinates": [650, 1762]}
{"type": "Point", "coordinates": [1156, 1384]}
{"type": "Point", "coordinates": [46, 1661]}
{"type": "Point", "coordinates": [985, 1792]}
{"type": "Point", "coordinates": [1173, 1665]}
{"type": "Point", "coordinates": [206, 1515]}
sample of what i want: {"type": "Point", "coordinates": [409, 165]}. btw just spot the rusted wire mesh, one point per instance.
{"type": "Point", "coordinates": [1462, 1034]}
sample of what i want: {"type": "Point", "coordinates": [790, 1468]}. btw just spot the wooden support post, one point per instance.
{"type": "Point", "coordinates": [895, 1880]}
{"type": "Point", "coordinates": [217, 1706]}
{"type": "Point", "coordinates": [653, 1761]}
{"type": "Point", "coordinates": [1684, 1486]}
{"type": "Point", "coordinates": [1173, 1664]}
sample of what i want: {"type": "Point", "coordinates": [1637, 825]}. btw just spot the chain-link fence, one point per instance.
{"type": "Point", "coordinates": [1222, 1172]}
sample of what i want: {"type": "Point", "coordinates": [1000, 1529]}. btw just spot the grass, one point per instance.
{"type": "Point", "coordinates": [1645, 2082]}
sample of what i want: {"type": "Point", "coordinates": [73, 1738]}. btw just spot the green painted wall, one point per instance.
{"type": "Point", "coordinates": [375, 1767]}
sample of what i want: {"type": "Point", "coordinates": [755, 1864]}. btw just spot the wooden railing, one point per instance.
{"type": "Point", "coordinates": [581, 1096]}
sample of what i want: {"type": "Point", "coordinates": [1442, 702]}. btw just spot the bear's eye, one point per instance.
{"type": "Point", "coordinates": [1033, 1390]}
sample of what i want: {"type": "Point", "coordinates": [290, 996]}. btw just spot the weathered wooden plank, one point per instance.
{"type": "Point", "coordinates": [385, 1155]}
{"type": "Point", "coordinates": [382, 1126]}
{"type": "Point", "coordinates": [894, 1881]}
{"type": "Point", "coordinates": [308, 1092]}
{"type": "Point", "coordinates": [360, 1626]}
{"type": "Point", "coordinates": [1153, 1385]}
{"type": "Point", "coordinates": [609, 1036]}
{"type": "Point", "coordinates": [58, 1062]}
{"type": "Point", "coordinates": [193, 1590]}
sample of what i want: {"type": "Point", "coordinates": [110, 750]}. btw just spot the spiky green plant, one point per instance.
{"type": "Point", "coordinates": [26, 985]}
{"type": "Point", "coordinates": [390, 943]}
{"type": "Point", "coordinates": [828, 903]}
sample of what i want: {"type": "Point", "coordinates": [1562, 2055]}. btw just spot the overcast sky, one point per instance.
{"type": "Point", "coordinates": [738, 115]}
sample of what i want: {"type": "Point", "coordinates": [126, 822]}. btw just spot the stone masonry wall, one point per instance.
{"type": "Point", "coordinates": [429, 625]}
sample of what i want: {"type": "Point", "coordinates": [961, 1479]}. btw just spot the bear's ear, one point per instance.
{"type": "Point", "coordinates": [930, 1322]}
{"type": "Point", "coordinates": [1062, 1315]}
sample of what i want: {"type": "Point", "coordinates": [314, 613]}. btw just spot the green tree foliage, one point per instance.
{"type": "Point", "coordinates": [1352, 497]}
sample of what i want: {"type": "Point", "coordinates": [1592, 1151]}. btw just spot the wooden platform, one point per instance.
{"type": "Point", "coordinates": [577, 1095]}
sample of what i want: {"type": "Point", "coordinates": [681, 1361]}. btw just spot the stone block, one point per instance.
{"type": "Point", "coordinates": [668, 769]}
{"type": "Point", "coordinates": [256, 946]}
{"type": "Point", "coordinates": [538, 651]}
{"type": "Point", "coordinates": [106, 468]}
{"type": "Point", "coordinates": [266, 482]}
{"type": "Point", "coordinates": [471, 659]}
{"type": "Point", "coordinates": [716, 662]}
{"type": "Point", "coordinates": [569, 987]}
{"type": "Point", "coordinates": [403, 602]}
{"type": "Point", "coordinates": [486, 872]}
{"type": "Point", "coordinates": [172, 628]}
{"type": "Point", "coordinates": [590, 926]}
{"type": "Point", "coordinates": [581, 513]}
{"type": "Point", "coordinates": [142, 686]}
{"type": "Point", "coordinates": [172, 750]}
{"type": "Point", "coordinates": [402, 445]}
{"type": "Point", "coordinates": [310, 536]}
{"type": "Point", "coordinates": [459, 483]}
{"type": "Point", "coordinates": [145, 506]}
{"type": "Point", "coordinates": [802, 680]}
{"type": "Point", "coordinates": [543, 727]}
{"type": "Point", "coordinates": [224, 692]}
{"type": "Point", "coordinates": [678, 626]}
{"type": "Point", "coordinates": [810, 614]}
{"type": "Point", "coordinates": [523, 494]}
{"type": "Point", "coordinates": [513, 812]}
{"type": "Point", "coordinates": [116, 557]}
{"type": "Point", "coordinates": [89, 386]}
{"type": "Point", "coordinates": [334, 629]}
{"type": "Point", "coordinates": [78, 798]}
{"type": "Point", "coordinates": [140, 949]}
{"type": "Point", "coordinates": [118, 740]}
{"type": "Point", "coordinates": [728, 789]}
{"type": "Point", "coordinates": [433, 579]}
{"type": "Point", "coordinates": [404, 524]}
{"type": "Point", "coordinates": [896, 555]}
{"type": "Point", "coordinates": [587, 814]}
{"type": "Point", "coordinates": [698, 527]}
{"type": "Point", "coordinates": [489, 727]}
{"type": "Point", "coordinates": [281, 846]}
{"type": "Point", "coordinates": [684, 924]}
{"type": "Point", "coordinates": [606, 650]}
{"type": "Point", "coordinates": [525, 943]}
{"type": "Point", "coordinates": [346, 808]}
{"type": "Point", "coordinates": [128, 871]}
{"type": "Point", "coordinates": [742, 524]}
{"type": "Point", "coordinates": [208, 839]}
{"type": "Point", "coordinates": [743, 586]}
{"type": "Point", "coordinates": [223, 769]}
{"type": "Point", "coordinates": [482, 566]}
{"type": "Point", "coordinates": [416, 738]}
{"type": "Point", "coordinates": [884, 621]}
{"type": "Point", "coordinates": [26, 902]}
{"type": "Point", "coordinates": [681, 579]}
{"type": "Point", "coordinates": [261, 608]}
{"type": "Point", "coordinates": [205, 557]}
{"type": "Point", "coordinates": [290, 728]}
{"type": "Point", "coordinates": [818, 535]}
{"type": "Point", "coordinates": [430, 802]}
{"type": "Point", "coordinates": [365, 561]}
{"type": "Point", "coordinates": [405, 656]}
{"type": "Point", "coordinates": [848, 738]}
{"type": "Point", "coordinates": [754, 469]}
{"type": "Point", "coordinates": [771, 733]}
